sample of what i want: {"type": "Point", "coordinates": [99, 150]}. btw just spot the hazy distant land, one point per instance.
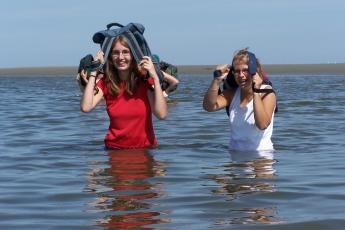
{"type": "Point", "coordinates": [308, 69]}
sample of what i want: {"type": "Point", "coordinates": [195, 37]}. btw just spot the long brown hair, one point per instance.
{"type": "Point", "coordinates": [112, 76]}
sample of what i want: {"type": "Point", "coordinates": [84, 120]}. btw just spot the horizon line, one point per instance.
{"type": "Point", "coordinates": [324, 68]}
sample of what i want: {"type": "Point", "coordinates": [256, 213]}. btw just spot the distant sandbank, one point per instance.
{"type": "Point", "coordinates": [308, 69]}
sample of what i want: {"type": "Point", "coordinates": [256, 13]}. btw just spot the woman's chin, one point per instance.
{"type": "Point", "coordinates": [244, 85]}
{"type": "Point", "coordinates": [122, 68]}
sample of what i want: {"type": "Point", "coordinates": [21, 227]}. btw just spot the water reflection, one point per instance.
{"type": "Point", "coordinates": [125, 191]}
{"type": "Point", "coordinates": [248, 175]}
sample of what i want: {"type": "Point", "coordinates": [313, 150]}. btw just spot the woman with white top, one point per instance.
{"type": "Point", "coordinates": [251, 102]}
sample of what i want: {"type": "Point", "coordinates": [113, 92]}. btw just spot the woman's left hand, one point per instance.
{"type": "Point", "coordinates": [147, 64]}
{"type": "Point", "coordinates": [257, 81]}
{"type": "Point", "coordinates": [99, 56]}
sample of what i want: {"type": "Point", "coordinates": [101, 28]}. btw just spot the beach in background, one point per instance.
{"type": "Point", "coordinates": [305, 69]}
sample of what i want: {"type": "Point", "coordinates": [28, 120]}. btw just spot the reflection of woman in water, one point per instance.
{"type": "Point", "coordinates": [128, 188]}
{"type": "Point", "coordinates": [248, 173]}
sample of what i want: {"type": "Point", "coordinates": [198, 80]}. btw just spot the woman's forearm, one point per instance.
{"type": "Point", "coordinates": [86, 103]}
{"type": "Point", "coordinates": [211, 95]}
{"type": "Point", "coordinates": [160, 107]}
{"type": "Point", "coordinates": [261, 115]}
{"type": "Point", "coordinates": [173, 82]}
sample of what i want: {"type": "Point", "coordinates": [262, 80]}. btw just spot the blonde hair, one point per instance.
{"type": "Point", "coordinates": [242, 56]}
{"type": "Point", "coordinates": [112, 76]}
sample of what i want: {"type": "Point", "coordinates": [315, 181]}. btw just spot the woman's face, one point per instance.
{"type": "Point", "coordinates": [121, 57]}
{"type": "Point", "coordinates": [241, 74]}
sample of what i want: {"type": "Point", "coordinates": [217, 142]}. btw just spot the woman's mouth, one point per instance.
{"type": "Point", "coordinates": [242, 82]}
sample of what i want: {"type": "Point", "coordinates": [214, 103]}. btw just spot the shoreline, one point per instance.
{"type": "Point", "coordinates": [309, 69]}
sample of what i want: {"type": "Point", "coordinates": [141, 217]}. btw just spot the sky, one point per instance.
{"type": "Point", "coordinates": [44, 33]}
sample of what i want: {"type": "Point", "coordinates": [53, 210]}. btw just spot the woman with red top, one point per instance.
{"type": "Point", "coordinates": [129, 100]}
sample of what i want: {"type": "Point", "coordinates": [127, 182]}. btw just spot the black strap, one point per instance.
{"type": "Point", "coordinates": [255, 90]}
{"type": "Point", "coordinates": [114, 24]}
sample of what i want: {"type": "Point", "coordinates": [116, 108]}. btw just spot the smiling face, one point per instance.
{"type": "Point", "coordinates": [241, 73]}
{"type": "Point", "coordinates": [121, 56]}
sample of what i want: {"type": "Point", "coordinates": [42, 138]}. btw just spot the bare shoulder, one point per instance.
{"type": "Point", "coordinates": [264, 86]}
{"type": "Point", "coordinates": [271, 95]}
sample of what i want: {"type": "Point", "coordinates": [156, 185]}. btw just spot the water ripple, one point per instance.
{"type": "Point", "coordinates": [55, 173]}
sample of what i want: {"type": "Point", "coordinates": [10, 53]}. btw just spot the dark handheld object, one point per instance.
{"type": "Point", "coordinates": [252, 66]}
{"type": "Point", "coordinates": [163, 65]}
{"type": "Point", "coordinates": [169, 68]}
{"type": "Point", "coordinates": [217, 73]}
{"type": "Point", "coordinates": [84, 62]}
{"type": "Point", "coordinates": [89, 65]}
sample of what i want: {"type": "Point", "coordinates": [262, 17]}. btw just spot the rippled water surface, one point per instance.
{"type": "Point", "coordinates": [55, 173]}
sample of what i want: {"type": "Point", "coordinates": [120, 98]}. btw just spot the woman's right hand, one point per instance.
{"type": "Point", "coordinates": [83, 75]}
{"type": "Point", "coordinates": [99, 56]}
{"type": "Point", "coordinates": [224, 70]}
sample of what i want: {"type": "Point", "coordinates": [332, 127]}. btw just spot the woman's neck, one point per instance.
{"type": "Point", "coordinates": [123, 75]}
{"type": "Point", "coordinates": [246, 94]}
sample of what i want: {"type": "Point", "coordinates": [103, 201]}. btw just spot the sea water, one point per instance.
{"type": "Point", "coordinates": [55, 173]}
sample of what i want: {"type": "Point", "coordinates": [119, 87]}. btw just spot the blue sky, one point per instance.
{"type": "Point", "coordinates": [39, 33]}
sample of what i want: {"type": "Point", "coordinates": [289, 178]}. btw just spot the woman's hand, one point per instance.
{"type": "Point", "coordinates": [257, 81]}
{"type": "Point", "coordinates": [99, 56]}
{"type": "Point", "coordinates": [157, 101]}
{"type": "Point", "coordinates": [147, 64]}
{"type": "Point", "coordinates": [221, 72]}
{"type": "Point", "coordinates": [83, 75]}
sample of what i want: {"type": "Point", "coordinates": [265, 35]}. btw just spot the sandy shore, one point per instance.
{"type": "Point", "coordinates": [308, 69]}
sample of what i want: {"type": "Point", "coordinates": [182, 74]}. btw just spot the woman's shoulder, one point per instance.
{"type": "Point", "coordinates": [266, 86]}
{"type": "Point", "coordinates": [267, 92]}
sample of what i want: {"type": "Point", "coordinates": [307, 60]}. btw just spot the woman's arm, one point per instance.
{"type": "Point", "coordinates": [89, 100]}
{"type": "Point", "coordinates": [212, 101]}
{"type": "Point", "coordinates": [157, 101]}
{"type": "Point", "coordinates": [173, 82]}
{"type": "Point", "coordinates": [264, 105]}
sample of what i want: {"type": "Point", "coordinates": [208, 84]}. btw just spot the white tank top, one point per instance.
{"type": "Point", "coordinates": [244, 135]}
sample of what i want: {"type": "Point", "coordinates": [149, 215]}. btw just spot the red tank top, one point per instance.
{"type": "Point", "coordinates": [130, 117]}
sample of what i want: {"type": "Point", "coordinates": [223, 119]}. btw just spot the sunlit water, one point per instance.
{"type": "Point", "coordinates": [55, 173]}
